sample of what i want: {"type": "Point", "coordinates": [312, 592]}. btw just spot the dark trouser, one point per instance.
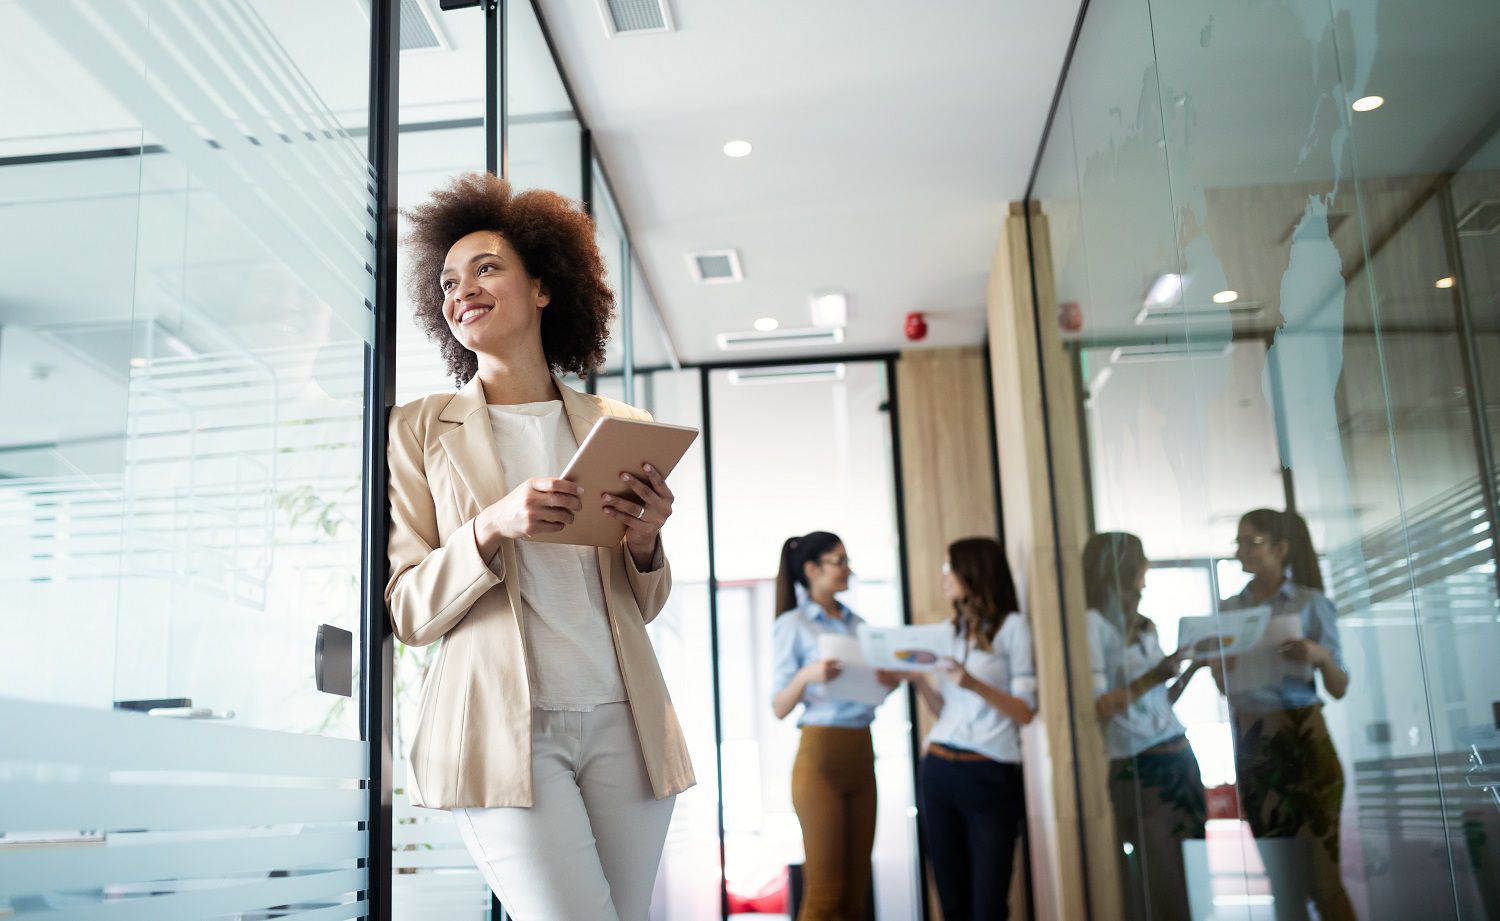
{"type": "Point", "coordinates": [833, 791]}
{"type": "Point", "coordinates": [1291, 788]}
{"type": "Point", "coordinates": [971, 816]}
{"type": "Point", "coordinates": [1159, 804]}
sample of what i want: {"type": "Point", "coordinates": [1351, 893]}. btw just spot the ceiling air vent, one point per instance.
{"type": "Point", "coordinates": [1142, 354]}
{"type": "Point", "coordinates": [715, 267]}
{"type": "Point", "coordinates": [1483, 217]}
{"type": "Point", "coordinates": [419, 31]}
{"type": "Point", "coordinates": [730, 342]}
{"type": "Point", "coordinates": [636, 17]}
{"type": "Point", "coordinates": [787, 374]}
{"type": "Point", "coordinates": [1155, 314]}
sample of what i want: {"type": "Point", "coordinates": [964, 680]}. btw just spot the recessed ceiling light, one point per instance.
{"type": "Point", "coordinates": [766, 324]}
{"type": "Point", "coordinates": [1446, 281]}
{"type": "Point", "coordinates": [1368, 103]}
{"type": "Point", "coordinates": [138, 362]}
{"type": "Point", "coordinates": [1165, 289]}
{"type": "Point", "coordinates": [830, 309]}
{"type": "Point", "coordinates": [1226, 297]}
{"type": "Point", "coordinates": [737, 149]}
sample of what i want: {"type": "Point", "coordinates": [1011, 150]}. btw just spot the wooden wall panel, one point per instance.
{"type": "Point", "coordinates": [1065, 766]}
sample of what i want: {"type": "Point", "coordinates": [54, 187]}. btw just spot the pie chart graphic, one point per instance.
{"type": "Point", "coordinates": [915, 656]}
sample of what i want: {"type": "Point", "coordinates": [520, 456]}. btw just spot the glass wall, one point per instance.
{"type": "Point", "coordinates": [1266, 243]}
{"type": "Point", "coordinates": [188, 221]}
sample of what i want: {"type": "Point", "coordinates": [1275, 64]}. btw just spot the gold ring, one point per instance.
{"type": "Point", "coordinates": [642, 515]}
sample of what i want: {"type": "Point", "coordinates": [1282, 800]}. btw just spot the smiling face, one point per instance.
{"type": "Point", "coordinates": [491, 303]}
{"type": "Point", "coordinates": [1260, 554]}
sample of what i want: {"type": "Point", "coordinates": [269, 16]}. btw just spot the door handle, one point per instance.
{"type": "Point", "coordinates": [333, 661]}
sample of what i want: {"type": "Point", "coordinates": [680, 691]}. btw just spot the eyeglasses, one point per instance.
{"type": "Point", "coordinates": [835, 561]}
{"type": "Point", "coordinates": [1252, 541]}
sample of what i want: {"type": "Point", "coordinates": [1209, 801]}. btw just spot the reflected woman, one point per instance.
{"type": "Point", "coordinates": [833, 777]}
{"type": "Point", "coordinates": [1154, 780]}
{"type": "Point", "coordinates": [973, 800]}
{"type": "Point", "coordinates": [1291, 784]}
{"type": "Point", "coordinates": [544, 723]}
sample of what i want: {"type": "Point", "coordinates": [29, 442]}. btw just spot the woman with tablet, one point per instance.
{"type": "Point", "coordinates": [1154, 781]}
{"type": "Point", "coordinates": [544, 723]}
{"type": "Point", "coordinates": [973, 800]}
{"type": "Point", "coordinates": [1291, 783]}
{"type": "Point", "coordinates": [833, 777]}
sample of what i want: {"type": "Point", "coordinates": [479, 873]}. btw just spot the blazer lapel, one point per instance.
{"type": "Point", "coordinates": [471, 445]}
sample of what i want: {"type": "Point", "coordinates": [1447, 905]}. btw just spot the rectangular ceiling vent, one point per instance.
{"type": "Point", "coordinates": [715, 267]}
{"type": "Point", "coordinates": [636, 17]}
{"type": "Point", "coordinates": [788, 374]}
{"type": "Point", "coordinates": [730, 342]}
{"type": "Point", "coordinates": [419, 31]}
{"type": "Point", "coordinates": [1158, 314]}
{"type": "Point", "coordinates": [1483, 217]}
{"type": "Point", "coordinates": [1143, 354]}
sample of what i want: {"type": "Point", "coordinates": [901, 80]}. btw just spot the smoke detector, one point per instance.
{"type": "Point", "coordinates": [715, 267]}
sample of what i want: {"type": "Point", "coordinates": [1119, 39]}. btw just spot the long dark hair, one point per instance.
{"type": "Point", "coordinates": [990, 593]}
{"type": "Point", "coordinates": [1289, 526]}
{"type": "Point", "coordinates": [1111, 562]}
{"type": "Point", "coordinates": [796, 553]}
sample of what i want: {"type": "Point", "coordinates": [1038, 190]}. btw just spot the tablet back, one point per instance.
{"type": "Point", "coordinates": [614, 446]}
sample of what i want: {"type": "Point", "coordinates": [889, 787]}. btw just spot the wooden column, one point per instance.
{"type": "Point", "coordinates": [1075, 876]}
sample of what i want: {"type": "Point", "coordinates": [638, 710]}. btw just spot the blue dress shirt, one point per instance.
{"type": "Point", "coordinates": [795, 643]}
{"type": "Point", "coordinates": [1319, 624]}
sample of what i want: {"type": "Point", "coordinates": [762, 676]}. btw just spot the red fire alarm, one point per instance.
{"type": "Point", "coordinates": [916, 326]}
{"type": "Point", "coordinates": [1070, 317]}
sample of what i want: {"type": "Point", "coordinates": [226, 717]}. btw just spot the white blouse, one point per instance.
{"type": "Point", "coordinates": [571, 656]}
{"type": "Point", "coordinates": [1149, 720]}
{"type": "Point", "coordinates": [968, 721]}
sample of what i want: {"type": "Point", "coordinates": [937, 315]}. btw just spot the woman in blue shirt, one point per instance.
{"type": "Point", "coordinates": [833, 777]}
{"type": "Point", "coordinates": [1291, 784]}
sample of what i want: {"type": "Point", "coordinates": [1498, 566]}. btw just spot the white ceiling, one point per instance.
{"type": "Point", "coordinates": [889, 136]}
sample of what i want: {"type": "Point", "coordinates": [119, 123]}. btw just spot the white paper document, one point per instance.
{"type": "Point", "coordinates": [857, 682]}
{"type": "Point", "coordinates": [1265, 666]}
{"type": "Point", "coordinates": [911, 649]}
{"type": "Point", "coordinates": [1237, 631]}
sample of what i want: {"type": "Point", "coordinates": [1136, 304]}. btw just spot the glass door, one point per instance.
{"type": "Point", "coordinates": [189, 215]}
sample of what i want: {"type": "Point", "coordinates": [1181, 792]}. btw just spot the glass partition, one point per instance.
{"type": "Point", "coordinates": [1271, 232]}
{"type": "Point", "coordinates": [189, 221]}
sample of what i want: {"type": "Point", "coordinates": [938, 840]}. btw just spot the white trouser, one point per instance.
{"type": "Point", "coordinates": [589, 848]}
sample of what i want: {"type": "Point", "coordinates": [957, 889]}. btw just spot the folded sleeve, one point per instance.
{"type": "Point", "coordinates": [1015, 639]}
{"type": "Point", "coordinates": [652, 587]}
{"type": "Point", "coordinates": [431, 586]}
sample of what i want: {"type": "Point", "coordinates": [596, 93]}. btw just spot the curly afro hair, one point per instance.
{"type": "Point", "coordinates": [555, 240]}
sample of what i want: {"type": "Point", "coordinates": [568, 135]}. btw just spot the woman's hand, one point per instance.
{"type": "Point", "coordinates": [541, 505]}
{"type": "Point", "coordinates": [643, 517]}
{"type": "Point", "coordinates": [1110, 704]}
{"type": "Point", "coordinates": [821, 671]}
{"type": "Point", "coordinates": [1302, 649]}
{"type": "Point", "coordinates": [956, 673]}
{"type": "Point", "coordinates": [892, 678]}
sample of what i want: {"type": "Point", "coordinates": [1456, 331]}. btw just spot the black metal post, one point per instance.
{"type": "Point", "coordinates": [713, 625]}
{"type": "Point", "coordinates": [893, 417]}
{"type": "Point", "coordinates": [495, 153]}
{"type": "Point", "coordinates": [377, 664]}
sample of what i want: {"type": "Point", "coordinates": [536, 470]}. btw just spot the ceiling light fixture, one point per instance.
{"type": "Point", "coordinates": [766, 325]}
{"type": "Point", "coordinates": [737, 149]}
{"type": "Point", "coordinates": [1165, 289]}
{"type": "Point", "coordinates": [1447, 281]}
{"type": "Point", "coordinates": [1226, 297]}
{"type": "Point", "coordinates": [1368, 103]}
{"type": "Point", "coordinates": [830, 310]}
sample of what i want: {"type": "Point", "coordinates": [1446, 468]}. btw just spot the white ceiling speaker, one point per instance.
{"type": "Point", "coordinates": [636, 17]}
{"type": "Point", "coordinates": [731, 342]}
{"type": "Point", "coordinates": [715, 267]}
{"type": "Point", "coordinates": [830, 309]}
{"type": "Point", "coordinates": [787, 374]}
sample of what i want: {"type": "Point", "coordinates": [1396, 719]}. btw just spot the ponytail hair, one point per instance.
{"type": "Point", "coordinates": [989, 591]}
{"type": "Point", "coordinates": [795, 555]}
{"type": "Point", "coordinates": [1288, 526]}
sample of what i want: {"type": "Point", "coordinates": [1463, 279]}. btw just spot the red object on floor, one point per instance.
{"type": "Point", "coordinates": [770, 899]}
{"type": "Point", "coordinates": [1223, 802]}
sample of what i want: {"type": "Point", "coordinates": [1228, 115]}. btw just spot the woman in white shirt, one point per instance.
{"type": "Point", "coordinates": [973, 801]}
{"type": "Point", "coordinates": [1154, 780]}
{"type": "Point", "coordinates": [544, 724]}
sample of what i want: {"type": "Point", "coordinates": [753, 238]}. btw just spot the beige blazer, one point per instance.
{"type": "Point", "coordinates": [472, 745]}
